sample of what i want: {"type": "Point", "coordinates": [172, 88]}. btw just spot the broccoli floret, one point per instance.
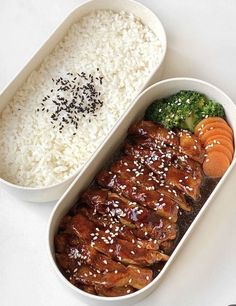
{"type": "Point", "coordinates": [183, 110]}
{"type": "Point", "coordinates": [213, 109]}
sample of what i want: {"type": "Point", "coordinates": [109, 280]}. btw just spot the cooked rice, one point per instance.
{"type": "Point", "coordinates": [35, 154]}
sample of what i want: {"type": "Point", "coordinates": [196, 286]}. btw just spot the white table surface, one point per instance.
{"type": "Point", "coordinates": [202, 43]}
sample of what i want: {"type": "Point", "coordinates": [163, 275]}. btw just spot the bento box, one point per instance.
{"type": "Point", "coordinates": [103, 157]}
{"type": "Point", "coordinates": [54, 188]}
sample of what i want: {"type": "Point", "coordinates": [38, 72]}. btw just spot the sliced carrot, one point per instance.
{"type": "Point", "coordinates": [219, 148]}
{"type": "Point", "coordinates": [203, 138]}
{"type": "Point", "coordinates": [215, 164]}
{"type": "Point", "coordinates": [214, 125]}
{"type": "Point", "coordinates": [206, 121]}
{"type": "Point", "coordinates": [221, 140]}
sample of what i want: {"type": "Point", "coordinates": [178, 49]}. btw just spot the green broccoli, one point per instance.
{"type": "Point", "coordinates": [183, 110]}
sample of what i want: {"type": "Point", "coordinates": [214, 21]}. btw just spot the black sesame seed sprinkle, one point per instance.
{"type": "Point", "coordinates": [73, 97]}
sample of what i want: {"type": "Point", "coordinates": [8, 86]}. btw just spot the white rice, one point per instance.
{"type": "Point", "coordinates": [126, 51]}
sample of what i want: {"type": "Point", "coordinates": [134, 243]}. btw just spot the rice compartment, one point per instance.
{"type": "Point", "coordinates": [89, 79]}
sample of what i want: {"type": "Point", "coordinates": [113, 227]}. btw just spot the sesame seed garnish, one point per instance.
{"type": "Point", "coordinates": [73, 98]}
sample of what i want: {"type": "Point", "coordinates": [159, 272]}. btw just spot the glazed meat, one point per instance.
{"type": "Point", "coordinates": [160, 162]}
{"type": "Point", "coordinates": [113, 292]}
{"type": "Point", "coordinates": [113, 247]}
{"type": "Point", "coordinates": [89, 289]}
{"type": "Point", "coordinates": [154, 199]}
{"type": "Point", "coordinates": [105, 201]}
{"type": "Point", "coordinates": [113, 279]}
{"type": "Point", "coordinates": [117, 210]}
{"type": "Point", "coordinates": [123, 228]}
{"type": "Point", "coordinates": [191, 146]}
{"type": "Point", "coordinates": [78, 257]}
{"type": "Point", "coordinates": [154, 131]}
{"type": "Point", "coordinates": [130, 169]}
{"type": "Point", "coordinates": [114, 227]}
{"type": "Point", "coordinates": [182, 141]}
{"type": "Point", "coordinates": [186, 183]}
{"type": "Point", "coordinates": [169, 155]}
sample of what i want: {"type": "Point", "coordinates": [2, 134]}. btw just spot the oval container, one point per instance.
{"type": "Point", "coordinates": [53, 192]}
{"type": "Point", "coordinates": [105, 153]}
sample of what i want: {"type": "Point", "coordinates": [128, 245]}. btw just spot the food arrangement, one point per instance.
{"type": "Point", "coordinates": [193, 111]}
{"type": "Point", "coordinates": [124, 227]}
{"type": "Point", "coordinates": [85, 84]}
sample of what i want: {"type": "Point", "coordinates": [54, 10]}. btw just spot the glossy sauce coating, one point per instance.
{"type": "Point", "coordinates": [134, 214]}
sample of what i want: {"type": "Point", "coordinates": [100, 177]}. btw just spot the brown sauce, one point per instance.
{"type": "Point", "coordinates": [185, 219]}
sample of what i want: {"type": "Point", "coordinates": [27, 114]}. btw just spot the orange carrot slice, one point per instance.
{"type": "Point", "coordinates": [204, 137]}
{"type": "Point", "coordinates": [214, 125]}
{"type": "Point", "coordinates": [204, 122]}
{"type": "Point", "coordinates": [219, 148]}
{"type": "Point", "coordinates": [215, 164]}
{"type": "Point", "coordinates": [221, 140]}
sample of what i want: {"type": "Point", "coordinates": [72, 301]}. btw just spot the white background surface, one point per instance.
{"type": "Point", "coordinates": [202, 43]}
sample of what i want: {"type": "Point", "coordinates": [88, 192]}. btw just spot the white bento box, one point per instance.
{"type": "Point", "coordinates": [105, 153]}
{"type": "Point", "coordinates": [53, 192]}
